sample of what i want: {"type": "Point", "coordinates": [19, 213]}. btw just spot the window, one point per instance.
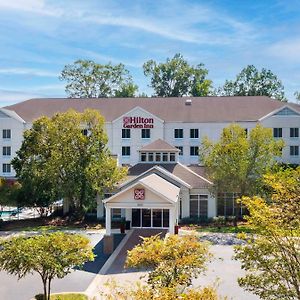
{"type": "Point", "coordinates": [194, 133]}
{"type": "Point", "coordinates": [6, 168]}
{"type": "Point", "coordinates": [143, 156]}
{"type": "Point", "coordinates": [181, 150]}
{"type": "Point", "coordinates": [126, 133]}
{"type": "Point", "coordinates": [6, 151]}
{"type": "Point", "coordinates": [172, 156]}
{"type": "Point", "coordinates": [194, 151]}
{"type": "Point", "coordinates": [150, 156]}
{"type": "Point", "coordinates": [178, 133]}
{"type": "Point", "coordinates": [277, 132]}
{"type": "Point", "coordinates": [165, 156]}
{"type": "Point", "coordinates": [146, 133]}
{"type": "Point", "coordinates": [157, 156]}
{"type": "Point", "coordinates": [294, 150]}
{"type": "Point", "coordinates": [6, 133]}
{"type": "Point", "coordinates": [294, 132]}
{"type": "Point", "coordinates": [116, 213]}
{"type": "Point", "coordinates": [125, 151]}
{"type": "Point", "coordinates": [198, 206]}
{"type": "Point", "coordinates": [84, 132]}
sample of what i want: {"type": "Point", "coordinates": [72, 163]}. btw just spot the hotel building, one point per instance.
{"type": "Point", "coordinates": [159, 138]}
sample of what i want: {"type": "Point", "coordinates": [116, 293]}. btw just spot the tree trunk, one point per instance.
{"type": "Point", "coordinates": [45, 289]}
{"type": "Point", "coordinates": [49, 282]}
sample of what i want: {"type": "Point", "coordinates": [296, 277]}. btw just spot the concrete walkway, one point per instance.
{"type": "Point", "coordinates": [136, 238]}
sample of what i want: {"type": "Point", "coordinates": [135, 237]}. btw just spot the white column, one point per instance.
{"type": "Point", "coordinates": [172, 220]}
{"type": "Point", "coordinates": [108, 220]}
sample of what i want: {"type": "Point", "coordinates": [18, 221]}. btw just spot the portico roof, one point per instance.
{"type": "Point", "coordinates": [155, 184]}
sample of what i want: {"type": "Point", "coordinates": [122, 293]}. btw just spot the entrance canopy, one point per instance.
{"type": "Point", "coordinates": [150, 192]}
{"type": "Point", "coordinates": [154, 192]}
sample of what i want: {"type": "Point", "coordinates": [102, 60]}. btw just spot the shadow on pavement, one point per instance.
{"type": "Point", "coordinates": [100, 258]}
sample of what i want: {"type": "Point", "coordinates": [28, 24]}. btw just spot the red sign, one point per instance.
{"type": "Point", "coordinates": [137, 122]}
{"type": "Point", "coordinates": [139, 194]}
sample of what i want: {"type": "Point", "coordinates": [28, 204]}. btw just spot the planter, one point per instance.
{"type": "Point", "coordinates": [176, 228]}
{"type": "Point", "coordinates": [122, 228]}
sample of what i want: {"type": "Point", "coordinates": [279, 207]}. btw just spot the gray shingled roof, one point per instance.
{"type": "Point", "coordinates": [180, 171]}
{"type": "Point", "coordinates": [202, 109]}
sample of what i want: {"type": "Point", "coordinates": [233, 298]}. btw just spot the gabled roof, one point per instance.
{"type": "Point", "coordinates": [157, 185]}
{"type": "Point", "coordinates": [192, 178]}
{"type": "Point", "coordinates": [159, 145]}
{"type": "Point", "coordinates": [202, 109]}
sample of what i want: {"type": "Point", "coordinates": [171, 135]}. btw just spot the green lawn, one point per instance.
{"type": "Point", "coordinates": [67, 297]}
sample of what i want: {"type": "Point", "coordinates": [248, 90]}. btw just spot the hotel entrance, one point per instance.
{"type": "Point", "coordinates": [150, 218]}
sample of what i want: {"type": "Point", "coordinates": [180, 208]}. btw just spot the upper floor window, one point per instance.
{"type": "Point", "coordinates": [181, 150]}
{"type": "Point", "coordinates": [194, 133]}
{"type": "Point", "coordinates": [6, 151]}
{"type": "Point", "coordinates": [125, 133]}
{"type": "Point", "coordinates": [165, 156]}
{"type": "Point", "coordinates": [172, 156]}
{"type": "Point", "coordinates": [194, 151]}
{"type": "Point", "coordinates": [294, 150]}
{"type": "Point", "coordinates": [6, 133]}
{"type": "Point", "coordinates": [277, 132]}
{"type": "Point", "coordinates": [6, 168]}
{"type": "Point", "coordinates": [126, 151]}
{"type": "Point", "coordinates": [294, 132]}
{"type": "Point", "coordinates": [178, 133]}
{"type": "Point", "coordinates": [145, 133]}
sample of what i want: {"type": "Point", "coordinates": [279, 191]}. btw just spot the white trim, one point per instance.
{"type": "Point", "coordinates": [278, 110]}
{"type": "Point", "coordinates": [135, 108]}
{"type": "Point", "coordinates": [12, 114]}
{"type": "Point", "coordinates": [145, 186]}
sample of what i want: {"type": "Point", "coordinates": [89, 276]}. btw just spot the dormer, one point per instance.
{"type": "Point", "coordinates": [159, 152]}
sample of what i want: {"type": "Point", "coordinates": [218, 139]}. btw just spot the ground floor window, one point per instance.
{"type": "Point", "coordinates": [116, 213]}
{"type": "Point", "coordinates": [227, 205]}
{"type": "Point", "coordinates": [198, 206]}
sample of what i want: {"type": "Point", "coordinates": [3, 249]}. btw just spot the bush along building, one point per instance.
{"type": "Point", "coordinates": [159, 138]}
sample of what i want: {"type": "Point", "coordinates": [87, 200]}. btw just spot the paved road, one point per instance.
{"type": "Point", "coordinates": [26, 288]}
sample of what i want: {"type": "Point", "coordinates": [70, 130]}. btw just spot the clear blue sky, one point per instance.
{"type": "Point", "coordinates": [39, 37]}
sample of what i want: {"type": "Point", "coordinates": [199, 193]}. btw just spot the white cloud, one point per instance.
{"type": "Point", "coordinates": [28, 71]}
{"type": "Point", "coordinates": [287, 50]}
{"type": "Point", "coordinates": [32, 6]}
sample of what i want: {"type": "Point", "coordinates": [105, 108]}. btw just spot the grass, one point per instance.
{"type": "Point", "coordinates": [66, 297]}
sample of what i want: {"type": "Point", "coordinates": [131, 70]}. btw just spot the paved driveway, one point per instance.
{"type": "Point", "coordinates": [222, 267]}
{"type": "Point", "coordinates": [26, 288]}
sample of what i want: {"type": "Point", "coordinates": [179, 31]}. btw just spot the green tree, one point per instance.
{"type": "Point", "coordinates": [88, 79]}
{"type": "Point", "coordinates": [271, 258]}
{"type": "Point", "coordinates": [173, 261]}
{"type": "Point", "coordinates": [252, 82]}
{"type": "Point", "coordinates": [237, 162]}
{"type": "Point", "coordinates": [8, 192]}
{"type": "Point", "coordinates": [50, 255]}
{"type": "Point", "coordinates": [176, 78]}
{"type": "Point", "coordinates": [66, 156]}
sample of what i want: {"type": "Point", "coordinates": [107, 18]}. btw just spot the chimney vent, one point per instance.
{"type": "Point", "coordinates": [188, 102]}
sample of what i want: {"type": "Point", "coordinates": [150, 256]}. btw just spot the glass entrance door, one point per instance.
{"type": "Point", "coordinates": [146, 218]}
